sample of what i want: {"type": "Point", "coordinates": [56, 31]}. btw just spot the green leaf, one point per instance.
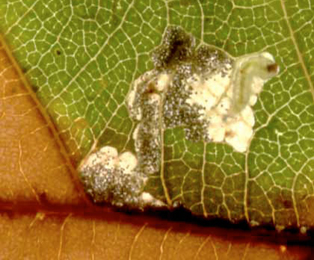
{"type": "Point", "coordinates": [82, 57]}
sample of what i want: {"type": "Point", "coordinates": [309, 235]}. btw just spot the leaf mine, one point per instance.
{"type": "Point", "coordinates": [202, 90]}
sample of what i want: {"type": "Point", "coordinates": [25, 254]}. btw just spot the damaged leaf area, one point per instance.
{"type": "Point", "coordinates": [201, 92]}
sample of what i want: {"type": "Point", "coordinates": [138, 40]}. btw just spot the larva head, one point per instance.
{"type": "Point", "coordinates": [262, 66]}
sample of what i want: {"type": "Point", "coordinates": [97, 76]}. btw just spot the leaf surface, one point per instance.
{"type": "Point", "coordinates": [44, 215]}
{"type": "Point", "coordinates": [81, 58]}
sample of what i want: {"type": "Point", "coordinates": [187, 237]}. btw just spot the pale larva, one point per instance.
{"type": "Point", "coordinates": [249, 74]}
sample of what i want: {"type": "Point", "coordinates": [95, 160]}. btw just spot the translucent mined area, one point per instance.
{"type": "Point", "coordinates": [204, 91]}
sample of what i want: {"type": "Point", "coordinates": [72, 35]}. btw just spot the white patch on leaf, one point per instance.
{"type": "Point", "coordinates": [148, 199]}
{"type": "Point", "coordinates": [127, 162]}
{"type": "Point", "coordinates": [226, 98]}
{"type": "Point", "coordinates": [106, 155]}
{"type": "Point", "coordinates": [163, 81]}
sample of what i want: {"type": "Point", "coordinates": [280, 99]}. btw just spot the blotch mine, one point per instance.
{"type": "Point", "coordinates": [202, 90]}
